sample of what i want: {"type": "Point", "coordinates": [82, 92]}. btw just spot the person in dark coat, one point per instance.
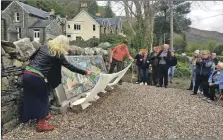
{"type": "Point", "coordinates": [214, 58]}
{"type": "Point", "coordinates": [138, 57]}
{"type": "Point", "coordinates": [204, 68]}
{"type": "Point", "coordinates": [164, 64]}
{"type": "Point", "coordinates": [44, 69]}
{"type": "Point", "coordinates": [144, 67]}
{"type": "Point", "coordinates": [154, 62]}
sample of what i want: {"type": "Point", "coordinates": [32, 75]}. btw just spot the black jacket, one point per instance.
{"type": "Point", "coordinates": [138, 57]}
{"type": "Point", "coordinates": [167, 58]}
{"type": "Point", "coordinates": [144, 64]}
{"type": "Point", "coordinates": [204, 66]}
{"type": "Point", "coordinates": [215, 60]}
{"type": "Point", "coordinates": [154, 60]}
{"type": "Point", "coordinates": [50, 66]}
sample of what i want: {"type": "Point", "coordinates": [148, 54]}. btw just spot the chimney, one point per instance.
{"type": "Point", "coordinates": [52, 14]}
{"type": "Point", "coordinates": [83, 5]}
{"type": "Point", "coordinates": [98, 14]}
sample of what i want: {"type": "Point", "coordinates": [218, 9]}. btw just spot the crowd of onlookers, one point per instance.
{"type": "Point", "coordinates": [207, 75]}
{"type": "Point", "coordinates": [162, 61]}
{"type": "Point", "coordinates": [206, 69]}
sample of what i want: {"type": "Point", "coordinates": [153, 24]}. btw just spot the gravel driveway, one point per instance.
{"type": "Point", "coordinates": [134, 111]}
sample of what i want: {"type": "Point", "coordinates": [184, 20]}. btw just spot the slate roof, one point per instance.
{"type": "Point", "coordinates": [34, 11]}
{"type": "Point", "coordinates": [112, 22]}
{"type": "Point", "coordinates": [41, 24]}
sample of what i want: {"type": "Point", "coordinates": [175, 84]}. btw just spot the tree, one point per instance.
{"type": "Point", "coordinates": [211, 45]}
{"type": "Point", "coordinates": [108, 11]}
{"type": "Point", "coordinates": [180, 21]}
{"type": "Point", "coordinates": [219, 49]}
{"type": "Point", "coordinates": [92, 7]}
{"type": "Point", "coordinates": [47, 5]}
{"type": "Point", "coordinates": [144, 12]}
{"type": "Point", "coordinates": [179, 42]}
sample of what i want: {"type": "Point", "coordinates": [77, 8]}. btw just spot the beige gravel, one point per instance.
{"type": "Point", "coordinates": [134, 111]}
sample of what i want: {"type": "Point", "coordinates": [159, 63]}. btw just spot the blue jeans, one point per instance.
{"type": "Point", "coordinates": [171, 73]}
{"type": "Point", "coordinates": [144, 75]}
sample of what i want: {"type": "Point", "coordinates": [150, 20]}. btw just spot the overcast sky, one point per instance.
{"type": "Point", "coordinates": [203, 14]}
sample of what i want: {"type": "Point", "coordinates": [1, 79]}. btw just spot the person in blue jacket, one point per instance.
{"type": "Point", "coordinates": [216, 81]}
{"type": "Point", "coordinates": [203, 71]}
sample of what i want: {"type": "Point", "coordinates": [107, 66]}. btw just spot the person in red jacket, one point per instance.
{"type": "Point", "coordinates": [118, 55]}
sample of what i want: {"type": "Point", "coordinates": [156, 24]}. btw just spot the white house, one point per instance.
{"type": "Point", "coordinates": [82, 26]}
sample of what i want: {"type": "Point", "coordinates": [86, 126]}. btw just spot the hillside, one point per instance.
{"type": "Point", "coordinates": [202, 36]}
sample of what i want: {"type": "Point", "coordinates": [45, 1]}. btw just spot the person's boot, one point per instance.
{"type": "Point", "coordinates": [191, 86]}
{"type": "Point", "coordinates": [42, 126]}
{"type": "Point", "coordinates": [48, 116]}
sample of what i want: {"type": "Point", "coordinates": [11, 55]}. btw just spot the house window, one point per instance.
{"type": "Point", "coordinates": [94, 28]}
{"type": "Point", "coordinates": [16, 17]}
{"type": "Point", "coordinates": [78, 37]}
{"type": "Point", "coordinates": [68, 35]}
{"type": "Point", "coordinates": [77, 27]}
{"type": "Point", "coordinates": [36, 33]}
{"type": "Point", "coordinates": [68, 26]}
{"type": "Point", "coordinates": [19, 32]}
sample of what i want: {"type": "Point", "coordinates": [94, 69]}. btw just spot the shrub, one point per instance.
{"type": "Point", "coordinates": [93, 42]}
{"type": "Point", "coordinates": [112, 38]}
{"type": "Point", "coordinates": [182, 70]}
{"type": "Point", "coordinates": [220, 58]}
{"type": "Point", "coordinates": [183, 59]}
{"type": "Point", "coordinates": [219, 50]}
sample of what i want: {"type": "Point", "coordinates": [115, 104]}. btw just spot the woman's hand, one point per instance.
{"type": "Point", "coordinates": [211, 84]}
{"type": "Point", "coordinates": [89, 73]}
{"type": "Point", "coordinates": [110, 61]}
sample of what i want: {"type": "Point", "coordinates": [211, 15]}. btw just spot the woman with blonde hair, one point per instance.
{"type": "Point", "coordinates": [44, 69]}
{"type": "Point", "coordinates": [144, 66]}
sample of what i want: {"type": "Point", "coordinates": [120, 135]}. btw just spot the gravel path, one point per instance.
{"type": "Point", "coordinates": [134, 111]}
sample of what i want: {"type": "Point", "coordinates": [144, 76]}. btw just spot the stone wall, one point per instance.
{"type": "Point", "coordinates": [11, 85]}
{"type": "Point", "coordinates": [14, 59]}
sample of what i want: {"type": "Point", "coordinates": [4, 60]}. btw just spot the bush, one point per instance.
{"type": "Point", "coordinates": [112, 38]}
{"type": "Point", "coordinates": [182, 70]}
{"type": "Point", "coordinates": [219, 50]}
{"type": "Point", "coordinates": [80, 43]}
{"type": "Point", "coordinates": [183, 59]}
{"type": "Point", "coordinates": [93, 42]}
{"type": "Point", "coordinates": [220, 58]}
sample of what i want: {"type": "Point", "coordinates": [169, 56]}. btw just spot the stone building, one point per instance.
{"type": "Point", "coordinates": [20, 20]}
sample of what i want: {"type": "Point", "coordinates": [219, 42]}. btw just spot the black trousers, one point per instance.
{"type": "Point", "coordinates": [155, 74]}
{"type": "Point", "coordinates": [212, 91]}
{"type": "Point", "coordinates": [35, 101]}
{"type": "Point", "coordinates": [203, 81]}
{"type": "Point", "coordinates": [119, 64]}
{"type": "Point", "coordinates": [163, 75]}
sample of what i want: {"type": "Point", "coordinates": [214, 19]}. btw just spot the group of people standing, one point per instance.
{"type": "Point", "coordinates": [161, 60]}
{"type": "Point", "coordinates": [207, 74]}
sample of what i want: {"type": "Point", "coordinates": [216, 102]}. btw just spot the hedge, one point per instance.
{"type": "Point", "coordinates": [220, 58]}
